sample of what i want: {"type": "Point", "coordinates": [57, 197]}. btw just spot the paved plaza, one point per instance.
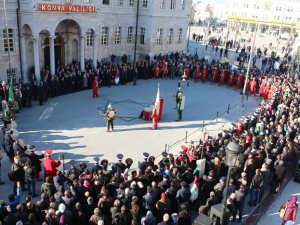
{"type": "Point", "coordinates": [72, 124]}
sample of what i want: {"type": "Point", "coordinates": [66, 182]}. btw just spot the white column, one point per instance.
{"type": "Point", "coordinates": [82, 53]}
{"type": "Point", "coordinates": [23, 62]}
{"type": "Point", "coordinates": [95, 47]}
{"type": "Point", "coordinates": [36, 42]}
{"type": "Point", "coordinates": [52, 55]}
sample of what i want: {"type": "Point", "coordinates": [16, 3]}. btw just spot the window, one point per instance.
{"type": "Point", "coordinates": [105, 2]}
{"type": "Point", "coordinates": [182, 4]}
{"type": "Point", "coordinates": [142, 37]}
{"type": "Point", "coordinates": [89, 37]}
{"type": "Point", "coordinates": [131, 2]}
{"type": "Point", "coordinates": [162, 4]}
{"type": "Point", "coordinates": [159, 36]}
{"type": "Point", "coordinates": [145, 3]}
{"type": "Point", "coordinates": [170, 36]}
{"type": "Point", "coordinates": [179, 37]}
{"type": "Point", "coordinates": [104, 36]}
{"type": "Point", "coordinates": [87, 1]}
{"type": "Point", "coordinates": [129, 35]}
{"type": "Point", "coordinates": [11, 73]}
{"type": "Point", "coordinates": [120, 2]}
{"type": "Point", "coordinates": [8, 41]}
{"type": "Point", "coordinates": [172, 4]}
{"type": "Point", "coordinates": [118, 35]}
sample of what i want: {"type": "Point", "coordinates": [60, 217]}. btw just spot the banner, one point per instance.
{"type": "Point", "coordinates": [66, 8]}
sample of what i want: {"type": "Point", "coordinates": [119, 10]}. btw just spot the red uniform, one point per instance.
{"type": "Point", "coordinates": [187, 72]}
{"type": "Point", "coordinates": [262, 88]}
{"type": "Point", "coordinates": [231, 79]}
{"type": "Point", "coordinates": [248, 85]}
{"type": "Point", "coordinates": [95, 88]}
{"type": "Point", "coordinates": [239, 83]}
{"type": "Point", "coordinates": [204, 73]}
{"type": "Point", "coordinates": [266, 91]}
{"type": "Point", "coordinates": [154, 116]}
{"type": "Point", "coordinates": [253, 86]}
{"type": "Point", "coordinates": [197, 74]}
{"type": "Point", "coordinates": [156, 71]}
{"type": "Point", "coordinates": [165, 69]}
{"type": "Point", "coordinates": [223, 77]}
{"type": "Point", "coordinates": [50, 167]}
{"type": "Point", "coordinates": [215, 75]}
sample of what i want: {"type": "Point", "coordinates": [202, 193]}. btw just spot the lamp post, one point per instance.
{"type": "Point", "coordinates": [232, 152]}
{"type": "Point", "coordinates": [249, 64]}
{"type": "Point", "coordinates": [189, 26]}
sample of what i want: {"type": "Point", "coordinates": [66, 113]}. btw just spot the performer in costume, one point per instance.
{"type": "Point", "coordinates": [204, 73]}
{"type": "Point", "coordinates": [223, 77]}
{"type": "Point", "coordinates": [50, 165]}
{"type": "Point", "coordinates": [231, 79]}
{"type": "Point", "coordinates": [253, 86]}
{"type": "Point", "coordinates": [165, 69]}
{"type": "Point", "coordinates": [197, 73]}
{"type": "Point", "coordinates": [180, 104]}
{"type": "Point", "coordinates": [154, 116]}
{"type": "Point", "coordinates": [95, 87]}
{"type": "Point", "coordinates": [262, 87]}
{"type": "Point", "coordinates": [110, 115]}
{"type": "Point", "coordinates": [239, 82]}
{"type": "Point", "coordinates": [156, 71]}
{"type": "Point", "coordinates": [215, 75]}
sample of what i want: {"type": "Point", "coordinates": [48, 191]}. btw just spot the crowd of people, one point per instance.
{"type": "Point", "coordinates": [165, 191]}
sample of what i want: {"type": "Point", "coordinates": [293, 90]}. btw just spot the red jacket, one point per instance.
{"type": "Point", "coordinates": [291, 211]}
{"type": "Point", "coordinates": [50, 167]}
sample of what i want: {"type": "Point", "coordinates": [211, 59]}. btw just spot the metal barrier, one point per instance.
{"type": "Point", "coordinates": [203, 129]}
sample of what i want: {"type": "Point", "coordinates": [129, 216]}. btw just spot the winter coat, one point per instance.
{"type": "Point", "coordinates": [291, 211]}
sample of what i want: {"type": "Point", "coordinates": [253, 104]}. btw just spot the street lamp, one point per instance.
{"type": "Point", "coordinates": [232, 152]}
{"type": "Point", "coordinates": [189, 26]}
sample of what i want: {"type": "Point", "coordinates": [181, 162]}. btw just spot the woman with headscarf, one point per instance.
{"type": "Point", "coordinates": [291, 208]}
{"type": "Point", "coordinates": [162, 206]}
{"type": "Point", "coordinates": [149, 219]}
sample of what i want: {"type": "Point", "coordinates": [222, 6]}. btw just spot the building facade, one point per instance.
{"type": "Point", "coordinates": [274, 17]}
{"type": "Point", "coordinates": [48, 33]}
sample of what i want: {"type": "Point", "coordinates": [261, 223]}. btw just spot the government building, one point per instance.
{"type": "Point", "coordinates": [48, 33]}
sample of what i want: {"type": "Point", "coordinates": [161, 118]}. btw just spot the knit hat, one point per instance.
{"type": "Point", "coordinates": [163, 197]}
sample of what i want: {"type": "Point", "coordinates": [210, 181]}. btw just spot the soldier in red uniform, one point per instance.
{"type": "Point", "coordinates": [95, 87]}
{"type": "Point", "coordinates": [154, 116]}
{"type": "Point", "coordinates": [223, 77]}
{"type": "Point", "coordinates": [165, 69]}
{"type": "Point", "coordinates": [262, 87]}
{"type": "Point", "coordinates": [231, 80]}
{"type": "Point", "coordinates": [197, 73]}
{"type": "Point", "coordinates": [215, 75]}
{"type": "Point", "coordinates": [50, 166]}
{"type": "Point", "coordinates": [204, 73]}
{"type": "Point", "coordinates": [187, 72]}
{"type": "Point", "coordinates": [253, 86]}
{"type": "Point", "coordinates": [266, 90]}
{"type": "Point", "coordinates": [240, 81]}
{"type": "Point", "coordinates": [156, 71]}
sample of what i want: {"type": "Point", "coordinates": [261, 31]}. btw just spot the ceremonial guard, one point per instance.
{"type": "Point", "coordinates": [119, 167]}
{"type": "Point", "coordinates": [36, 161]}
{"type": "Point", "coordinates": [95, 87]}
{"type": "Point", "coordinates": [262, 87]}
{"type": "Point", "coordinates": [50, 165]}
{"type": "Point", "coordinates": [240, 81]}
{"type": "Point", "coordinates": [154, 116]}
{"type": "Point", "coordinates": [143, 165]}
{"type": "Point", "coordinates": [204, 73]}
{"type": "Point", "coordinates": [156, 70]}
{"type": "Point", "coordinates": [110, 115]}
{"type": "Point", "coordinates": [266, 90]}
{"type": "Point", "coordinates": [8, 145]}
{"type": "Point", "coordinates": [215, 75]}
{"type": "Point", "coordinates": [253, 86]}
{"type": "Point", "coordinates": [165, 69]}
{"type": "Point", "coordinates": [197, 73]}
{"type": "Point", "coordinates": [231, 79]}
{"type": "Point", "coordinates": [223, 77]}
{"type": "Point", "coordinates": [96, 167]}
{"type": "Point", "coordinates": [180, 105]}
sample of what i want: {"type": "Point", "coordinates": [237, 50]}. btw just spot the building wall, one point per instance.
{"type": "Point", "coordinates": [39, 25]}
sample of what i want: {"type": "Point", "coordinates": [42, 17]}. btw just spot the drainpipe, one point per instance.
{"type": "Point", "coordinates": [19, 38]}
{"type": "Point", "coordinates": [136, 29]}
